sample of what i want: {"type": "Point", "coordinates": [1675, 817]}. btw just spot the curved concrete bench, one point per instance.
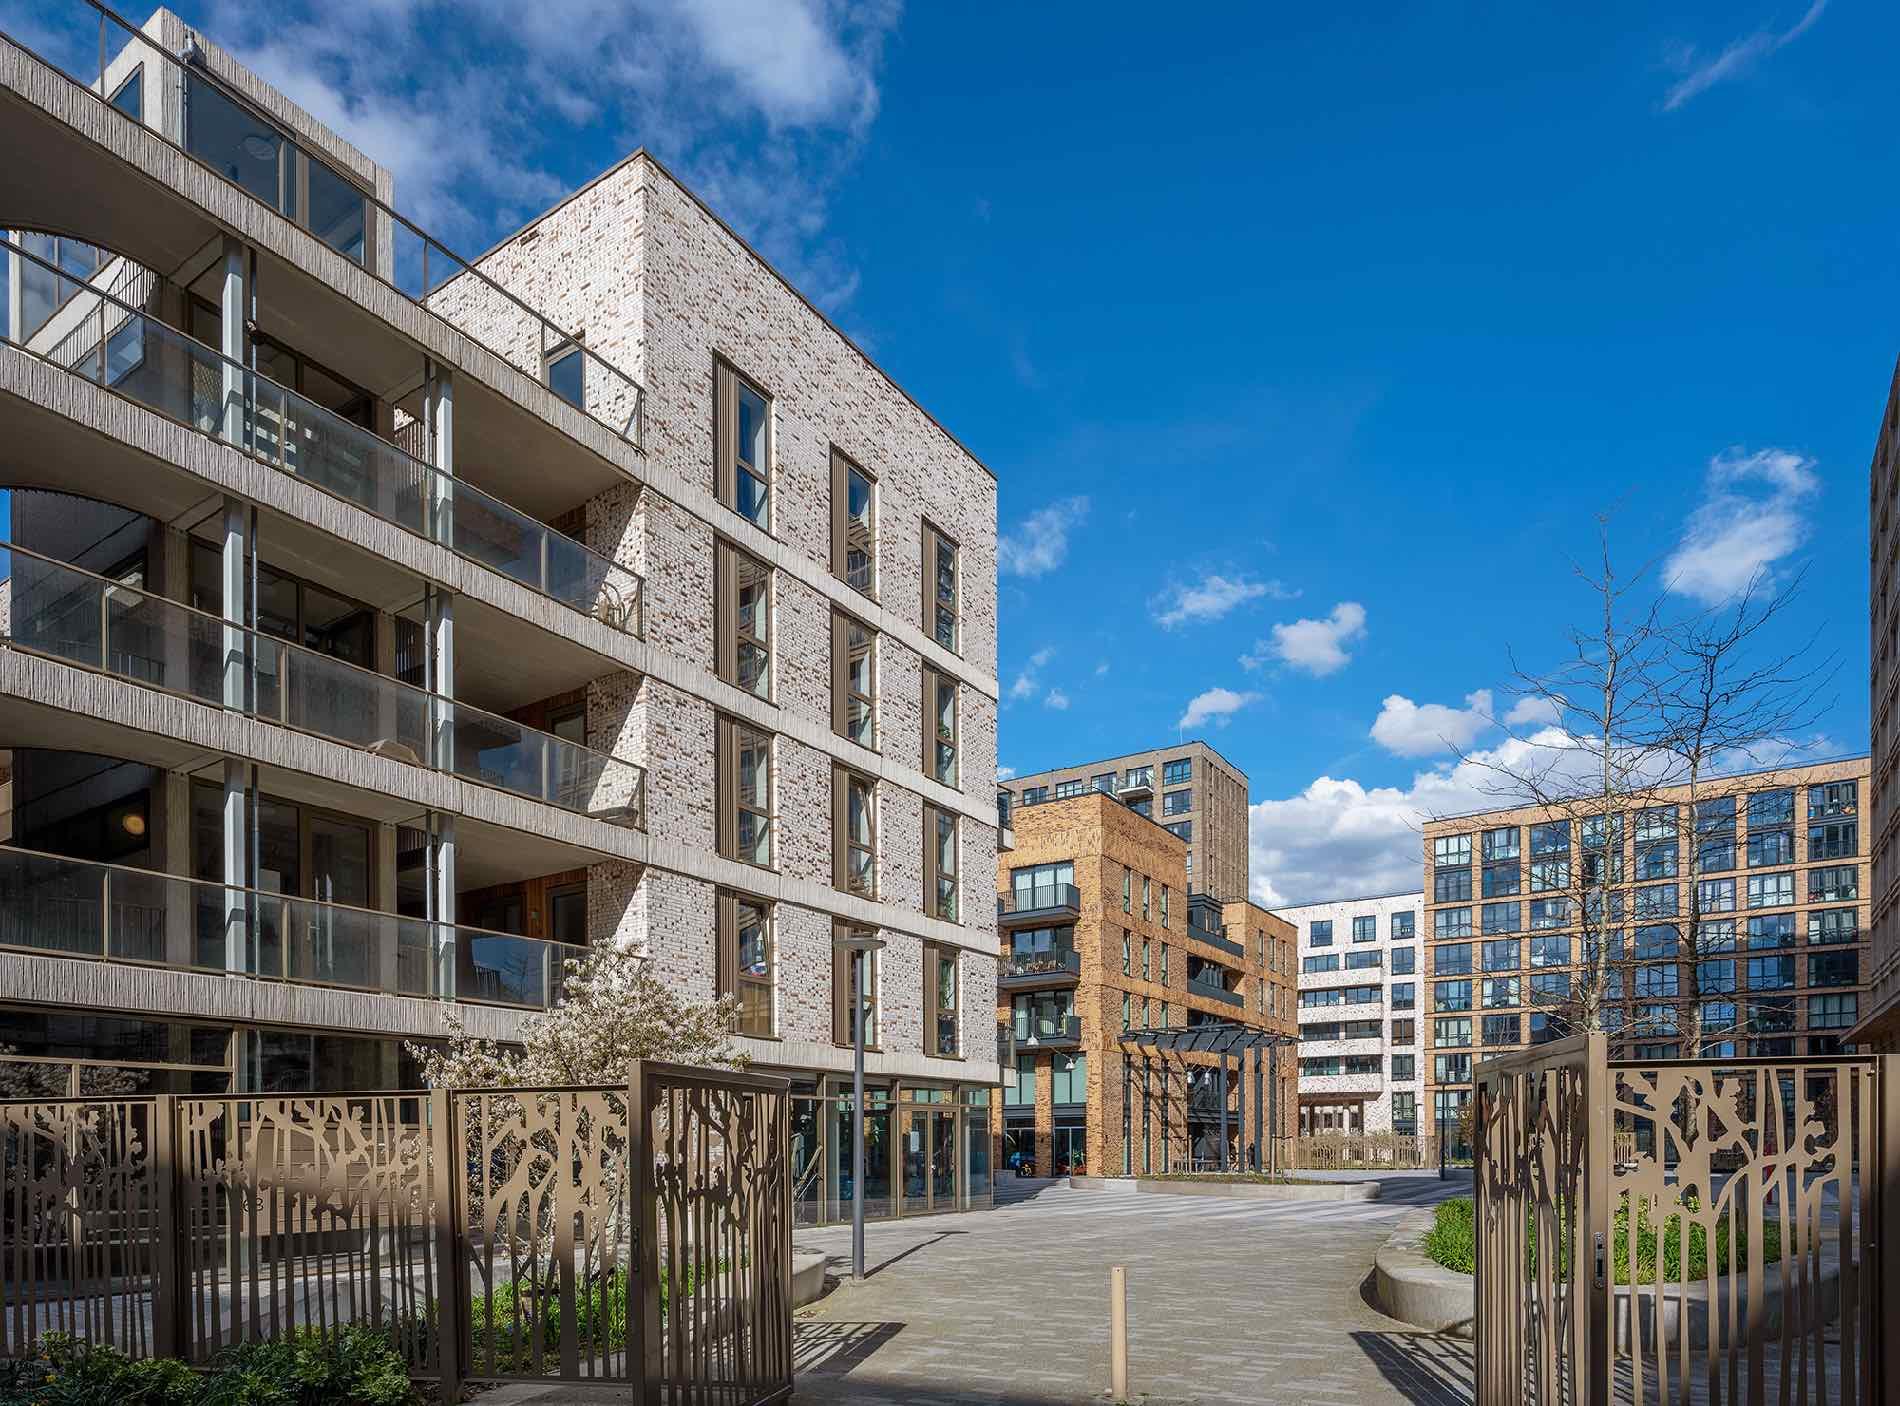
{"type": "Point", "coordinates": [1409, 1287]}
{"type": "Point", "coordinates": [1237, 1190]}
{"type": "Point", "coordinates": [808, 1276]}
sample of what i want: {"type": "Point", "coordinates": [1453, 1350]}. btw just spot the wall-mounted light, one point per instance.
{"type": "Point", "coordinates": [133, 823]}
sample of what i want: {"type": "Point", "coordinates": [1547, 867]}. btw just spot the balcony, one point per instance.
{"type": "Point", "coordinates": [1214, 991]}
{"type": "Point", "coordinates": [1042, 903]}
{"type": "Point", "coordinates": [58, 907]}
{"type": "Point", "coordinates": [1137, 786]}
{"type": "Point", "coordinates": [115, 344]}
{"type": "Point", "coordinates": [1062, 1032]}
{"type": "Point", "coordinates": [1023, 971]}
{"type": "Point", "coordinates": [60, 612]}
{"type": "Point", "coordinates": [1215, 939]}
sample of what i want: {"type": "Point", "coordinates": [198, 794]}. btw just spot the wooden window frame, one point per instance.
{"type": "Point", "coordinates": [729, 633]}
{"type": "Point", "coordinates": [731, 977]}
{"type": "Point", "coordinates": [842, 695]}
{"type": "Point", "coordinates": [843, 961]}
{"type": "Point", "coordinates": [843, 778]}
{"type": "Point", "coordinates": [934, 873]}
{"type": "Point", "coordinates": [934, 682]}
{"type": "Point", "coordinates": [842, 523]}
{"type": "Point", "coordinates": [935, 538]}
{"type": "Point", "coordinates": [727, 379]}
{"type": "Point", "coordinates": [729, 734]}
{"type": "Point", "coordinates": [934, 956]}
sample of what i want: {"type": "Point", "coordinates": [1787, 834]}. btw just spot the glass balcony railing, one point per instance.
{"type": "Point", "coordinates": [63, 907]}
{"type": "Point", "coordinates": [115, 344]}
{"type": "Point", "coordinates": [239, 141]}
{"type": "Point", "coordinates": [1033, 898]}
{"type": "Point", "coordinates": [60, 611]}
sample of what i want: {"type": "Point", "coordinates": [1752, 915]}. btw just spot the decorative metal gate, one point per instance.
{"type": "Point", "coordinates": [1681, 1232]}
{"type": "Point", "coordinates": [637, 1235]}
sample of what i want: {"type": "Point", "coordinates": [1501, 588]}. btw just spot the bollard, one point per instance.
{"type": "Point", "coordinates": [1118, 1333]}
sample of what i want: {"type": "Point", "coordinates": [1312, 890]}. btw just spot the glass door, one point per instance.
{"type": "Point", "coordinates": [931, 1178]}
{"type": "Point", "coordinates": [943, 1160]}
{"type": "Point", "coordinates": [338, 946]}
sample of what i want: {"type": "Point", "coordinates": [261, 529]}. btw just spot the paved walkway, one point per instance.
{"type": "Point", "coordinates": [1229, 1302]}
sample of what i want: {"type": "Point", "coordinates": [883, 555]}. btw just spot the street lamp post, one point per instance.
{"type": "Point", "coordinates": [860, 945]}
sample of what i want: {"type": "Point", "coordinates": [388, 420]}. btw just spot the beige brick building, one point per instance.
{"type": "Point", "coordinates": [1880, 1027]}
{"type": "Point", "coordinates": [1191, 789]}
{"type": "Point", "coordinates": [1781, 901]}
{"type": "Point", "coordinates": [1100, 941]}
{"type": "Point", "coordinates": [465, 616]}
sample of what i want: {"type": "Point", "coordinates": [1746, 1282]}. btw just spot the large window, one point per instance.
{"type": "Point", "coordinates": [940, 1001]}
{"type": "Point", "coordinates": [1834, 968]}
{"type": "Point", "coordinates": [1451, 851]}
{"type": "Point", "coordinates": [1404, 960]}
{"type": "Point", "coordinates": [1550, 988]}
{"type": "Point", "coordinates": [742, 619]}
{"type": "Point", "coordinates": [943, 611]}
{"type": "Point", "coordinates": [1502, 1030]}
{"type": "Point", "coordinates": [1770, 930]}
{"type": "Point", "coordinates": [1715, 896]}
{"type": "Point", "coordinates": [1451, 885]}
{"type": "Point", "coordinates": [1834, 839]}
{"type": "Point", "coordinates": [1501, 956]}
{"type": "Point", "coordinates": [1837, 883]}
{"type": "Point", "coordinates": [1404, 926]}
{"type": "Point", "coordinates": [1833, 1012]}
{"type": "Point", "coordinates": [1833, 798]}
{"type": "Point", "coordinates": [1178, 772]}
{"type": "Point", "coordinates": [1361, 961]}
{"type": "Point", "coordinates": [848, 1003]}
{"type": "Point", "coordinates": [1550, 951]}
{"type": "Point", "coordinates": [940, 863]}
{"type": "Point", "coordinates": [940, 728]}
{"type": "Point", "coordinates": [1404, 995]}
{"type": "Point", "coordinates": [744, 781]}
{"type": "Point", "coordinates": [853, 525]}
{"type": "Point", "coordinates": [1452, 1032]}
{"type": "Point", "coordinates": [1452, 960]}
{"type": "Point", "coordinates": [1551, 838]}
{"type": "Point", "coordinates": [747, 960]}
{"type": "Point", "coordinates": [1501, 917]}
{"type": "Point", "coordinates": [1319, 933]}
{"type": "Point", "coordinates": [1767, 848]}
{"type": "Point", "coordinates": [1770, 973]}
{"type": "Point", "coordinates": [1549, 913]}
{"type": "Point", "coordinates": [1451, 922]}
{"type": "Point", "coordinates": [1451, 995]}
{"type": "Point", "coordinates": [853, 832]}
{"type": "Point", "coordinates": [1069, 1081]}
{"type": "Point", "coordinates": [853, 679]}
{"type": "Point", "coordinates": [1404, 1101]}
{"type": "Point", "coordinates": [1498, 992]}
{"type": "Point", "coordinates": [1833, 925]}
{"type": "Point", "coordinates": [1770, 890]}
{"type": "Point", "coordinates": [742, 418]}
{"type": "Point", "coordinates": [1177, 802]}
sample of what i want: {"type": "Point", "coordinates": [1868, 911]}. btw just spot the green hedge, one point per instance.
{"type": "Point", "coordinates": [355, 1367]}
{"type": "Point", "coordinates": [1452, 1242]}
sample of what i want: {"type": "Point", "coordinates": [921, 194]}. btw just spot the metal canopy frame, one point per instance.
{"type": "Point", "coordinates": [1225, 1040]}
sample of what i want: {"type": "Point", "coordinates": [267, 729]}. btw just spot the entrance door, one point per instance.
{"type": "Point", "coordinates": [930, 1161]}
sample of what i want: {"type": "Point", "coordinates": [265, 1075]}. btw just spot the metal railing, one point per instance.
{"type": "Point", "coordinates": [1040, 897]}
{"type": "Point", "coordinates": [56, 906]}
{"type": "Point", "coordinates": [119, 346]}
{"type": "Point", "coordinates": [252, 150]}
{"type": "Point", "coordinates": [1214, 938]}
{"type": "Point", "coordinates": [61, 612]}
{"type": "Point", "coordinates": [1214, 991]}
{"type": "Point", "coordinates": [1043, 1030]}
{"type": "Point", "coordinates": [1058, 962]}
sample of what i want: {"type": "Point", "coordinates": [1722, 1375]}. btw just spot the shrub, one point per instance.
{"type": "Point", "coordinates": [1453, 1239]}
{"type": "Point", "coordinates": [1452, 1242]}
{"type": "Point", "coordinates": [355, 1367]}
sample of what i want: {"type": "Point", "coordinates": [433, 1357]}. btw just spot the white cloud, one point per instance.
{"type": "Point", "coordinates": [1028, 683]}
{"type": "Point", "coordinates": [1212, 597]}
{"type": "Point", "coordinates": [1751, 516]}
{"type": "Point", "coordinates": [1216, 705]}
{"type": "Point", "coordinates": [1410, 729]}
{"type": "Point", "coordinates": [1056, 699]}
{"type": "Point", "coordinates": [1101, 669]}
{"type": "Point", "coordinates": [1735, 61]}
{"type": "Point", "coordinates": [1533, 711]}
{"type": "Point", "coordinates": [1041, 544]}
{"type": "Point", "coordinates": [1003, 773]}
{"type": "Point", "coordinates": [1316, 646]}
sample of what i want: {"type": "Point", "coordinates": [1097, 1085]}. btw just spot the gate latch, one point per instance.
{"type": "Point", "coordinates": [1602, 1266]}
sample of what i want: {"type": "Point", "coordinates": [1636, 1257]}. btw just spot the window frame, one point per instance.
{"type": "Point", "coordinates": [935, 682]}
{"type": "Point", "coordinates": [843, 696]}
{"type": "Point", "coordinates": [843, 466]}
{"type": "Point", "coordinates": [845, 847]}
{"type": "Point", "coordinates": [934, 605]}
{"type": "Point", "coordinates": [935, 876]}
{"type": "Point", "coordinates": [935, 956]}
{"type": "Point", "coordinates": [731, 973]}
{"type": "Point", "coordinates": [729, 633]}
{"type": "Point", "coordinates": [731, 735]}
{"type": "Point", "coordinates": [843, 969]}
{"type": "Point", "coordinates": [728, 381]}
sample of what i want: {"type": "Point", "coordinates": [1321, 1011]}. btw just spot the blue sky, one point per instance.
{"type": "Point", "coordinates": [1305, 345]}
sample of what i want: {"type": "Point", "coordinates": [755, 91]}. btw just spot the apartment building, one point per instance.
{"type": "Point", "coordinates": [1880, 1028]}
{"type": "Point", "coordinates": [1779, 909]}
{"type": "Point", "coordinates": [1110, 967]}
{"type": "Point", "coordinates": [1191, 789]}
{"type": "Point", "coordinates": [383, 630]}
{"type": "Point", "coordinates": [1361, 1046]}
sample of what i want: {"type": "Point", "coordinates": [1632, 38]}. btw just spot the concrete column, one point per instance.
{"type": "Point", "coordinates": [441, 644]}
{"type": "Point", "coordinates": [234, 342]}
{"type": "Point", "coordinates": [234, 580]}
{"type": "Point", "coordinates": [439, 409]}
{"type": "Point", "coordinates": [442, 901]}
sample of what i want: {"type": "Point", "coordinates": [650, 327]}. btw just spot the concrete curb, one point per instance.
{"type": "Point", "coordinates": [1233, 1190]}
{"type": "Point", "coordinates": [808, 1276]}
{"type": "Point", "coordinates": [1409, 1287]}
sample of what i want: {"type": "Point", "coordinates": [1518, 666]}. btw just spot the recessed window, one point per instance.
{"type": "Point", "coordinates": [853, 525]}
{"type": "Point", "coordinates": [940, 727]}
{"type": "Point", "coordinates": [853, 680]}
{"type": "Point", "coordinates": [942, 595]}
{"type": "Point", "coordinates": [1177, 802]}
{"type": "Point", "coordinates": [940, 863]}
{"type": "Point", "coordinates": [853, 833]}
{"type": "Point", "coordinates": [742, 623]}
{"type": "Point", "coordinates": [742, 418]}
{"type": "Point", "coordinates": [129, 96]}
{"type": "Point", "coordinates": [849, 1004]}
{"type": "Point", "coordinates": [940, 1000]}
{"type": "Point", "coordinates": [566, 373]}
{"type": "Point", "coordinates": [744, 780]}
{"type": "Point", "coordinates": [747, 961]}
{"type": "Point", "coordinates": [1178, 772]}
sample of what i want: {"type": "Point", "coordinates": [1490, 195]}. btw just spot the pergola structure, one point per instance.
{"type": "Point", "coordinates": [1231, 1043]}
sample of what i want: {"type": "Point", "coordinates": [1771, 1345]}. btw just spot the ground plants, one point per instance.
{"type": "Point", "coordinates": [354, 1367]}
{"type": "Point", "coordinates": [1452, 1242]}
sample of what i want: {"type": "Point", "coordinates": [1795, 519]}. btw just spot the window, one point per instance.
{"type": "Point", "coordinates": [742, 418]}
{"type": "Point", "coordinates": [940, 1000]}
{"type": "Point", "coordinates": [1718, 935]}
{"type": "Point", "coordinates": [1715, 896]}
{"type": "Point", "coordinates": [1035, 795]}
{"type": "Point", "coordinates": [1451, 1032]}
{"type": "Point", "coordinates": [744, 780]}
{"type": "Point", "coordinates": [1834, 884]}
{"type": "Point", "coordinates": [1361, 961]}
{"type": "Point", "coordinates": [1837, 839]}
{"type": "Point", "coordinates": [1320, 962]}
{"type": "Point", "coordinates": [1833, 1012]}
{"type": "Point", "coordinates": [1404, 960]}
{"type": "Point", "coordinates": [1128, 1011]}
{"type": "Point", "coordinates": [1550, 951]}
{"type": "Point", "coordinates": [1320, 933]}
{"type": "Point", "coordinates": [1656, 861]}
{"type": "Point", "coordinates": [1404, 1101]}
{"type": "Point", "coordinates": [853, 680]}
{"type": "Point", "coordinates": [1069, 1081]}
{"type": "Point", "coordinates": [1501, 1030]}
{"type": "Point", "coordinates": [1501, 956]}
{"type": "Point", "coordinates": [1501, 879]}
{"type": "Point", "coordinates": [1832, 799]}
{"type": "Point", "coordinates": [1548, 874]}
{"type": "Point", "coordinates": [853, 526]}
{"type": "Point", "coordinates": [1164, 964]}
{"type": "Point", "coordinates": [1451, 885]}
{"type": "Point", "coordinates": [1128, 952]}
{"type": "Point", "coordinates": [1139, 776]}
{"type": "Point", "coordinates": [1716, 855]}
{"type": "Point", "coordinates": [1771, 890]}
{"type": "Point", "coordinates": [940, 728]}
{"type": "Point", "coordinates": [942, 609]}
{"type": "Point", "coordinates": [1340, 996]}
{"type": "Point", "coordinates": [746, 962]}
{"type": "Point", "coordinates": [1454, 960]}
{"type": "Point", "coordinates": [1650, 943]}
{"type": "Point", "coordinates": [1497, 992]}
{"type": "Point", "coordinates": [1770, 973]}
{"type": "Point", "coordinates": [1404, 995]}
{"type": "Point", "coordinates": [1654, 983]}
{"type": "Point", "coordinates": [940, 863]}
{"type": "Point", "coordinates": [1181, 830]}
{"type": "Point", "coordinates": [1451, 851]}
{"type": "Point", "coordinates": [848, 1004]}
{"type": "Point", "coordinates": [1404, 926]}
{"type": "Point", "coordinates": [1770, 808]}
{"type": "Point", "coordinates": [1147, 887]}
{"type": "Point", "coordinates": [1551, 838]}
{"type": "Point", "coordinates": [1501, 917]}
{"type": "Point", "coordinates": [1549, 913]}
{"type": "Point", "coordinates": [1147, 965]}
{"type": "Point", "coordinates": [129, 96]}
{"type": "Point", "coordinates": [1771, 930]}
{"type": "Point", "coordinates": [1178, 772]}
{"type": "Point", "coordinates": [1066, 790]}
{"type": "Point", "coordinates": [1176, 802]}
{"type": "Point", "coordinates": [1451, 995]}
{"type": "Point", "coordinates": [742, 614]}
{"type": "Point", "coordinates": [853, 833]}
{"type": "Point", "coordinates": [1024, 1091]}
{"type": "Point", "coordinates": [1164, 905]}
{"type": "Point", "coordinates": [1833, 925]}
{"type": "Point", "coordinates": [1834, 968]}
{"type": "Point", "coordinates": [1550, 988]}
{"type": "Point", "coordinates": [1128, 893]}
{"type": "Point", "coordinates": [1769, 848]}
{"type": "Point", "coordinates": [1451, 922]}
{"type": "Point", "coordinates": [567, 914]}
{"type": "Point", "coordinates": [1405, 1032]}
{"type": "Point", "coordinates": [1656, 901]}
{"type": "Point", "coordinates": [1715, 977]}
